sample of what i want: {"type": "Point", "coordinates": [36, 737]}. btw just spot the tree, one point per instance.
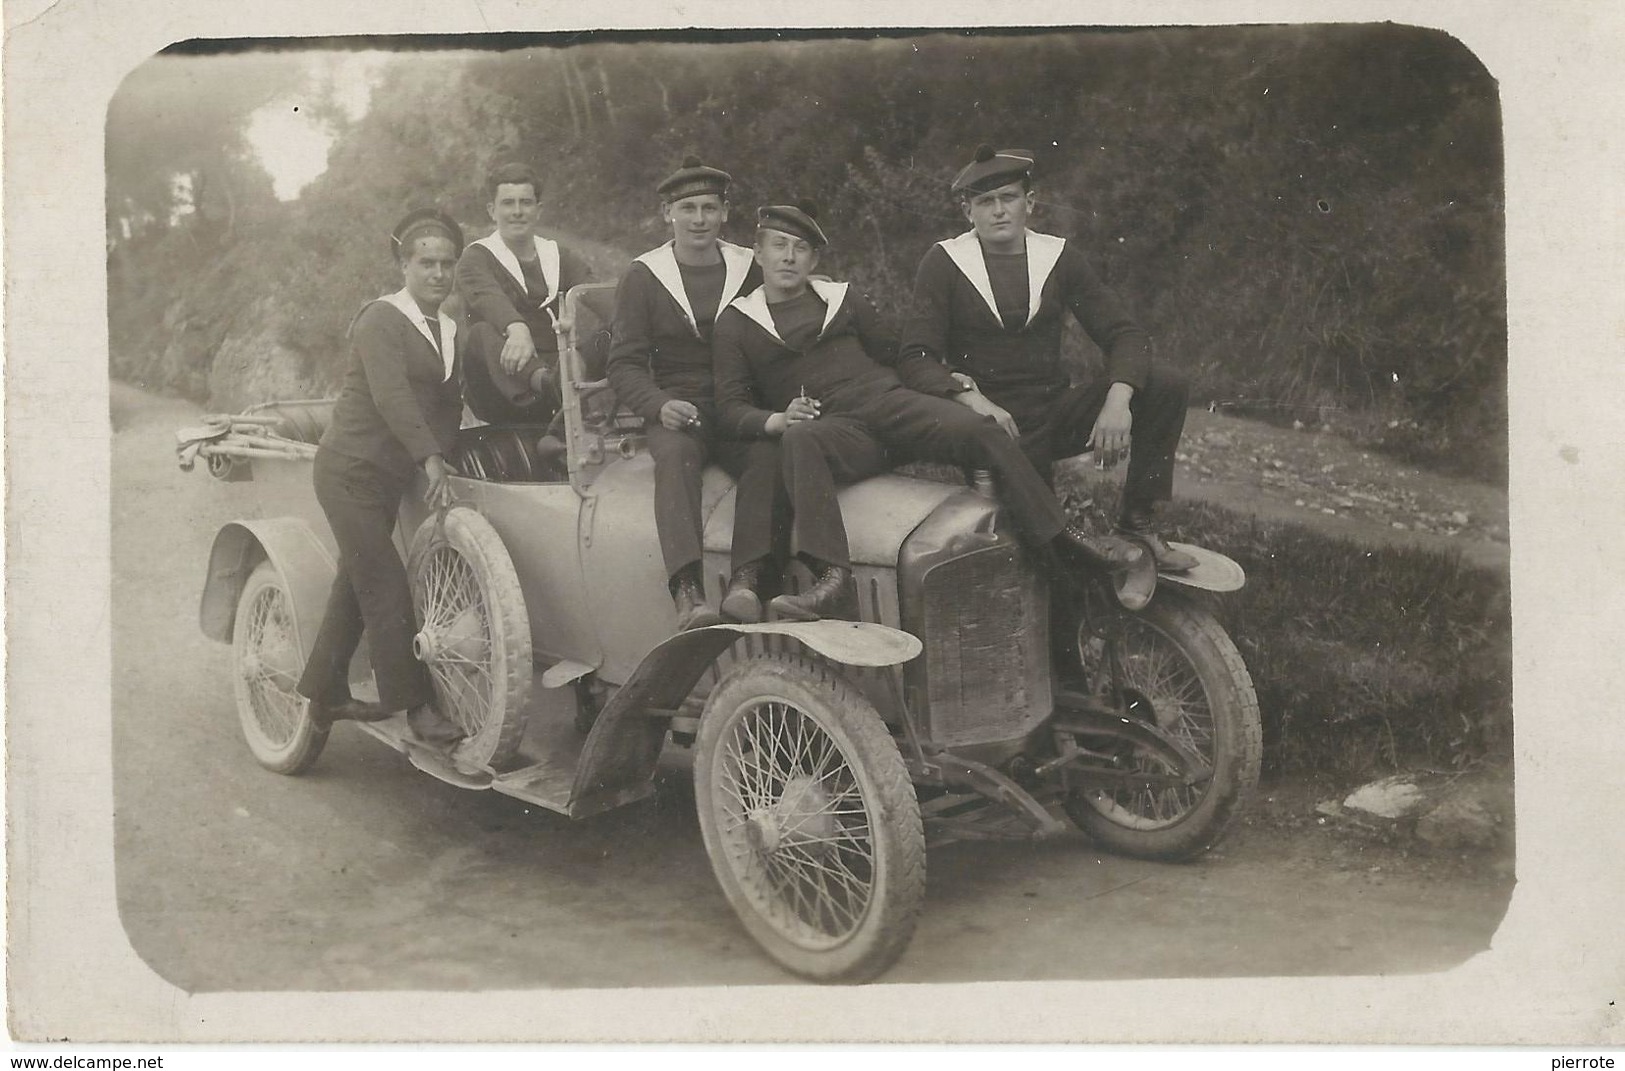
{"type": "Point", "coordinates": [175, 139]}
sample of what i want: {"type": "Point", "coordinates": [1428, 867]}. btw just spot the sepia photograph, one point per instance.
{"type": "Point", "coordinates": [694, 761]}
{"type": "Point", "coordinates": [627, 514]}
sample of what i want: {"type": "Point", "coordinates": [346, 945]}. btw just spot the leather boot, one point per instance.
{"type": "Point", "coordinates": [1139, 522]}
{"type": "Point", "coordinates": [823, 599]}
{"type": "Point", "coordinates": [692, 611]}
{"type": "Point", "coordinates": [323, 715]}
{"type": "Point", "coordinates": [1132, 569]}
{"type": "Point", "coordinates": [1101, 551]}
{"type": "Point", "coordinates": [742, 603]}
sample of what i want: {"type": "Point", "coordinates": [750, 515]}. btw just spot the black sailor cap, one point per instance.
{"type": "Point", "coordinates": [991, 169]}
{"type": "Point", "coordinates": [799, 219]}
{"type": "Point", "coordinates": [428, 220]}
{"type": "Point", "coordinates": [693, 179]}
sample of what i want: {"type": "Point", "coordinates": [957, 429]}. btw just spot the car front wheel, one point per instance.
{"type": "Point", "coordinates": [809, 818]}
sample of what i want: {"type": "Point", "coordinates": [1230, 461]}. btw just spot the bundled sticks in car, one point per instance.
{"type": "Point", "coordinates": [223, 438]}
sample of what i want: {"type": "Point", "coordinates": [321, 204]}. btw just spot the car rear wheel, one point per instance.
{"type": "Point", "coordinates": [267, 662]}
{"type": "Point", "coordinates": [809, 818]}
{"type": "Point", "coordinates": [474, 633]}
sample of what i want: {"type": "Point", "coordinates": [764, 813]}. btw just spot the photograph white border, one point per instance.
{"type": "Point", "coordinates": [1558, 959]}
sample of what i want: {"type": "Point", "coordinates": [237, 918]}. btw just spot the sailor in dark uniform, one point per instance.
{"type": "Point", "coordinates": [660, 368]}
{"type": "Point", "coordinates": [397, 413]}
{"type": "Point", "coordinates": [511, 284]}
{"type": "Point", "coordinates": [990, 303]}
{"type": "Point", "coordinates": [807, 361]}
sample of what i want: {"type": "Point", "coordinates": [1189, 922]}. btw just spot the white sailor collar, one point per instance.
{"type": "Point", "coordinates": [547, 253]}
{"type": "Point", "coordinates": [1043, 253]}
{"type": "Point", "coordinates": [754, 305]}
{"type": "Point", "coordinates": [408, 307]}
{"type": "Point", "coordinates": [662, 264]}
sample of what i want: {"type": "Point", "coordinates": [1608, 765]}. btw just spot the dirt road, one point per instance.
{"type": "Point", "coordinates": [366, 874]}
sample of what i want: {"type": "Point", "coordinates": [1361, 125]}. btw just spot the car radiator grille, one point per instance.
{"type": "Point", "coordinates": [985, 648]}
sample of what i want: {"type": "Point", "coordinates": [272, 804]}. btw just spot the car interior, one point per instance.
{"type": "Point", "coordinates": [534, 451]}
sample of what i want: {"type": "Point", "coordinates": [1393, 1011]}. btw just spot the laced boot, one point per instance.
{"type": "Point", "coordinates": [1102, 551]}
{"type": "Point", "coordinates": [1132, 570]}
{"type": "Point", "coordinates": [1139, 522]}
{"type": "Point", "coordinates": [692, 611]}
{"type": "Point", "coordinates": [741, 603]}
{"type": "Point", "coordinates": [823, 599]}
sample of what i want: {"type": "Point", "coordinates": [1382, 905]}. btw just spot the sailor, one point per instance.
{"type": "Point", "coordinates": [990, 304]}
{"type": "Point", "coordinates": [660, 367]}
{"type": "Point", "coordinates": [396, 415]}
{"type": "Point", "coordinates": [511, 284]}
{"type": "Point", "coordinates": [807, 361]}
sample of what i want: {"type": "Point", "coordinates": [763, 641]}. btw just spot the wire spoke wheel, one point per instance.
{"type": "Point", "coordinates": [267, 661]}
{"type": "Point", "coordinates": [1162, 687]}
{"type": "Point", "coordinates": [809, 818]}
{"type": "Point", "coordinates": [797, 829]}
{"type": "Point", "coordinates": [454, 615]}
{"type": "Point", "coordinates": [1171, 665]}
{"type": "Point", "coordinates": [473, 635]}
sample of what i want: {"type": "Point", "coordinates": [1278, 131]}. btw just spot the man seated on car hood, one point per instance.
{"type": "Point", "coordinates": [991, 302]}
{"type": "Point", "coordinates": [808, 362]}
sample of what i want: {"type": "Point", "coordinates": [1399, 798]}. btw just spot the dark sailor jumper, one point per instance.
{"type": "Point", "coordinates": [399, 405]}
{"type": "Point", "coordinates": [499, 289]}
{"type": "Point", "coordinates": [998, 319]}
{"type": "Point", "coordinates": [664, 312]}
{"type": "Point", "coordinates": [877, 408]}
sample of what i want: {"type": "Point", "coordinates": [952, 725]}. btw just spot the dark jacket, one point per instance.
{"type": "Point", "coordinates": [492, 294]}
{"type": "Point", "coordinates": [952, 319]}
{"type": "Point", "coordinates": [398, 405]}
{"type": "Point", "coordinates": [659, 353]}
{"type": "Point", "coordinates": [853, 359]}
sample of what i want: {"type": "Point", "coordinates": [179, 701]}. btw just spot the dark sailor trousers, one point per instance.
{"type": "Point", "coordinates": [1062, 429]}
{"type": "Point", "coordinates": [370, 592]}
{"type": "Point", "coordinates": [680, 458]}
{"type": "Point", "coordinates": [899, 425]}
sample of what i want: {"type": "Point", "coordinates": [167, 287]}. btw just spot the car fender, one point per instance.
{"type": "Point", "coordinates": [619, 756]}
{"type": "Point", "coordinates": [293, 549]}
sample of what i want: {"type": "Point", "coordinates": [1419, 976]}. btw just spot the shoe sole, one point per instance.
{"type": "Point", "coordinates": [1162, 566]}
{"type": "Point", "coordinates": [744, 608]}
{"type": "Point", "coordinates": [792, 612]}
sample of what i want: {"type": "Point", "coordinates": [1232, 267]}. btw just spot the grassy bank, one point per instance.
{"type": "Point", "coordinates": [1365, 659]}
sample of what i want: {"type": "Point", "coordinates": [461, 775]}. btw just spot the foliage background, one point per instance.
{"type": "Point", "coordinates": [1308, 219]}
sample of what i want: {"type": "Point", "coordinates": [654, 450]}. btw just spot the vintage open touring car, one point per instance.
{"type": "Point", "coordinates": [824, 753]}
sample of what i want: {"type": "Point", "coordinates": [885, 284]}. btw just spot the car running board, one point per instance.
{"type": "Point", "coordinates": [545, 784]}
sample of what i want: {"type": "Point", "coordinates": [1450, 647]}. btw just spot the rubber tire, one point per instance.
{"type": "Point", "coordinates": [295, 754]}
{"type": "Point", "coordinates": [496, 731]}
{"type": "Point", "coordinates": [847, 718]}
{"type": "Point", "coordinates": [1237, 738]}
